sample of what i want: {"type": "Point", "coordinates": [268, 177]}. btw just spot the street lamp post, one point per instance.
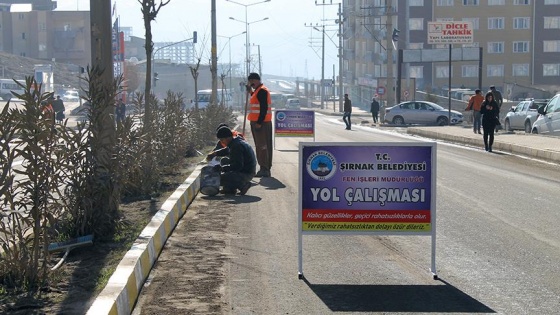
{"type": "Point", "coordinates": [194, 39]}
{"type": "Point", "coordinates": [322, 67]}
{"type": "Point", "coordinates": [229, 48]}
{"type": "Point", "coordinates": [247, 47]}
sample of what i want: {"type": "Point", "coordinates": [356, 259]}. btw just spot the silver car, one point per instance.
{"type": "Point", "coordinates": [421, 112]}
{"type": "Point", "coordinates": [523, 115]}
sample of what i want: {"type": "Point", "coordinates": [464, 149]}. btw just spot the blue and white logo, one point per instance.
{"type": "Point", "coordinates": [321, 165]}
{"type": "Point", "coordinates": [280, 116]}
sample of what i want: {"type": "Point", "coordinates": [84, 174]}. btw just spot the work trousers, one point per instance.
{"type": "Point", "coordinates": [235, 180]}
{"type": "Point", "coordinates": [263, 144]}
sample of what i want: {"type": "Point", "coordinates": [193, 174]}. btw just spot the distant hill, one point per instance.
{"type": "Point", "coordinates": [18, 67]}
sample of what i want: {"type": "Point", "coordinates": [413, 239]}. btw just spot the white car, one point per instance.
{"type": "Point", "coordinates": [71, 96]}
{"type": "Point", "coordinates": [292, 103]}
{"type": "Point", "coordinates": [548, 122]}
{"type": "Point", "coordinates": [421, 112]}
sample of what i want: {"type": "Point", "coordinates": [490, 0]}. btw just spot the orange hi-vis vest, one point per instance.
{"type": "Point", "coordinates": [255, 106]}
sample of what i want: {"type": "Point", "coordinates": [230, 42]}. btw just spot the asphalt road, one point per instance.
{"type": "Point", "coordinates": [497, 245]}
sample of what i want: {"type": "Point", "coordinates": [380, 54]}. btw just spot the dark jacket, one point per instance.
{"type": "Point", "coordinates": [241, 157]}
{"type": "Point", "coordinates": [374, 106]}
{"type": "Point", "coordinates": [347, 105]}
{"type": "Point", "coordinates": [489, 115]}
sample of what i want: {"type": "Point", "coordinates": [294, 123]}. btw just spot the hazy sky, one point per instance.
{"type": "Point", "coordinates": [284, 39]}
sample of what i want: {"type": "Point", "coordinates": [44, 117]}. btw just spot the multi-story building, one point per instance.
{"type": "Point", "coordinates": [36, 5]}
{"type": "Point", "coordinates": [62, 36]}
{"type": "Point", "coordinates": [179, 53]}
{"type": "Point", "coordinates": [519, 40]}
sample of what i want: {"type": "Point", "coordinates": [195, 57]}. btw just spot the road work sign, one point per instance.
{"type": "Point", "coordinates": [450, 32]}
{"type": "Point", "coordinates": [367, 188]}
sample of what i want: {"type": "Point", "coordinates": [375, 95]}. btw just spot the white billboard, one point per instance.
{"type": "Point", "coordinates": [450, 32]}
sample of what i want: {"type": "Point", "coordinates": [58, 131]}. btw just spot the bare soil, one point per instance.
{"type": "Point", "coordinates": [75, 285]}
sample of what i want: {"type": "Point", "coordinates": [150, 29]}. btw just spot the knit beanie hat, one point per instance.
{"type": "Point", "coordinates": [224, 132]}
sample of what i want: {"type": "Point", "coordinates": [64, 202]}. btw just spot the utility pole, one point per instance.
{"type": "Point", "coordinates": [214, 65]}
{"type": "Point", "coordinates": [340, 57]}
{"type": "Point", "coordinates": [390, 80]}
{"type": "Point", "coordinates": [102, 59]}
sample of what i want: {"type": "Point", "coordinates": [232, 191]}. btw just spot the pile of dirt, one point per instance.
{"type": "Point", "coordinates": [19, 68]}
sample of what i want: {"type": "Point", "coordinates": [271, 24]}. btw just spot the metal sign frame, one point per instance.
{"type": "Point", "coordinates": [343, 189]}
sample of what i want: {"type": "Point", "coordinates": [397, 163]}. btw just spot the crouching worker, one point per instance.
{"type": "Point", "coordinates": [221, 149]}
{"type": "Point", "coordinates": [239, 166]}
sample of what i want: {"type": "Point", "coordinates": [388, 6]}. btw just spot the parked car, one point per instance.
{"type": "Point", "coordinates": [292, 103]}
{"type": "Point", "coordinates": [523, 115]}
{"type": "Point", "coordinates": [71, 96]}
{"type": "Point", "coordinates": [421, 112]}
{"type": "Point", "coordinates": [548, 121]}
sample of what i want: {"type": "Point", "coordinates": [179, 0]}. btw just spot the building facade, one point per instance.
{"type": "Point", "coordinates": [519, 40]}
{"type": "Point", "coordinates": [60, 36]}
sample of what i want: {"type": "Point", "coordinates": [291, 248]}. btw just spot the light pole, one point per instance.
{"type": "Point", "coordinates": [229, 48]}
{"type": "Point", "coordinates": [247, 47]}
{"type": "Point", "coordinates": [322, 67]}
{"type": "Point", "coordinates": [194, 39]}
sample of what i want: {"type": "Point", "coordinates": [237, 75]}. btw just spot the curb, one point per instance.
{"type": "Point", "coordinates": [543, 154]}
{"type": "Point", "coordinates": [123, 288]}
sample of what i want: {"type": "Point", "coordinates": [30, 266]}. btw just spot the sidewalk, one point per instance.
{"type": "Point", "coordinates": [535, 146]}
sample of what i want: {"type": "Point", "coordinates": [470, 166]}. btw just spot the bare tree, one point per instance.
{"type": "Point", "coordinates": [150, 11]}
{"type": "Point", "coordinates": [194, 72]}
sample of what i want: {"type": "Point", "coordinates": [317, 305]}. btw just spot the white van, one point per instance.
{"type": "Point", "coordinates": [7, 86]}
{"type": "Point", "coordinates": [203, 97]}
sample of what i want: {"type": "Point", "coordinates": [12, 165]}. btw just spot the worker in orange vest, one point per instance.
{"type": "Point", "coordinates": [260, 117]}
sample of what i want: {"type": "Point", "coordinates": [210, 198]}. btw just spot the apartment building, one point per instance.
{"type": "Point", "coordinates": [62, 36]}
{"type": "Point", "coordinates": [520, 44]}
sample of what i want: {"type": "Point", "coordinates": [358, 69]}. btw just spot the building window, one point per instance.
{"type": "Point", "coordinates": [520, 47]}
{"type": "Point", "coordinates": [521, 2]}
{"type": "Point", "coordinates": [551, 22]}
{"type": "Point", "coordinates": [475, 22]}
{"type": "Point", "coordinates": [442, 71]}
{"type": "Point", "coordinates": [520, 70]}
{"type": "Point", "coordinates": [495, 71]}
{"type": "Point", "coordinates": [551, 46]}
{"type": "Point", "coordinates": [22, 54]}
{"type": "Point", "coordinates": [469, 71]}
{"type": "Point", "coordinates": [415, 45]}
{"type": "Point", "coordinates": [495, 23]}
{"type": "Point", "coordinates": [22, 35]}
{"type": "Point", "coordinates": [417, 72]}
{"type": "Point", "coordinates": [416, 3]}
{"type": "Point", "coordinates": [416, 24]}
{"type": "Point", "coordinates": [472, 45]}
{"type": "Point", "coordinates": [551, 69]}
{"type": "Point", "coordinates": [496, 47]}
{"type": "Point", "coordinates": [548, 2]}
{"type": "Point", "coordinates": [444, 3]}
{"type": "Point", "coordinates": [521, 23]}
{"type": "Point", "coordinates": [470, 2]}
{"type": "Point", "coordinates": [496, 2]}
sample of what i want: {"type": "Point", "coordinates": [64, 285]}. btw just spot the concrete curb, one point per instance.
{"type": "Point", "coordinates": [121, 292]}
{"type": "Point", "coordinates": [543, 154]}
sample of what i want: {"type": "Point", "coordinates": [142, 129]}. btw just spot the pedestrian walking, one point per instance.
{"type": "Point", "coordinates": [475, 103]}
{"type": "Point", "coordinates": [120, 111]}
{"type": "Point", "coordinates": [489, 111]}
{"type": "Point", "coordinates": [260, 116]}
{"type": "Point", "coordinates": [347, 112]}
{"type": "Point", "coordinates": [58, 107]}
{"type": "Point", "coordinates": [238, 168]}
{"type": "Point", "coordinates": [375, 110]}
{"type": "Point", "coordinates": [499, 100]}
